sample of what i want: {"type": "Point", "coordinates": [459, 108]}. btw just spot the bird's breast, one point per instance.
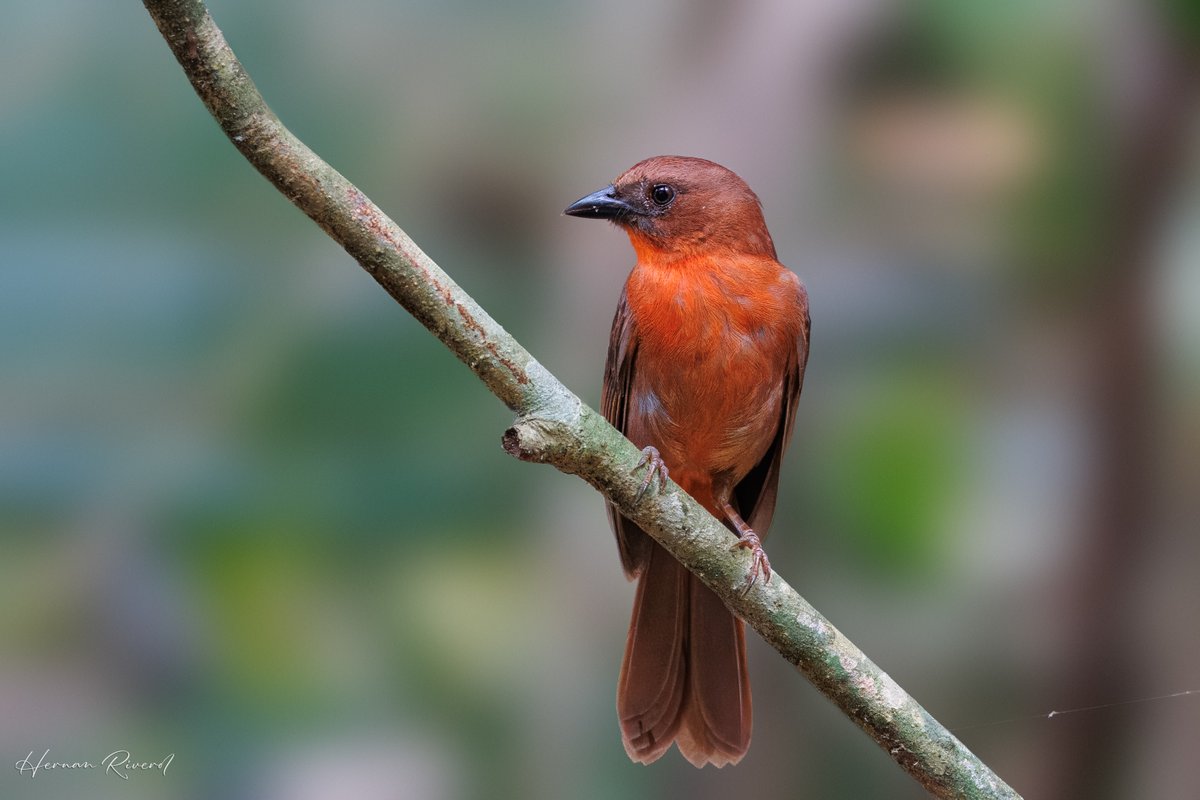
{"type": "Point", "coordinates": [712, 350]}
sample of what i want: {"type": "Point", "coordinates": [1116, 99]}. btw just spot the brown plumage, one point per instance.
{"type": "Point", "coordinates": [705, 365]}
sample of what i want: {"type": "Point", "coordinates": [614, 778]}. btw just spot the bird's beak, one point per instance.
{"type": "Point", "coordinates": [603, 204]}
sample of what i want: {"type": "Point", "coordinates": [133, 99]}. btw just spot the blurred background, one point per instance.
{"type": "Point", "coordinates": [253, 515]}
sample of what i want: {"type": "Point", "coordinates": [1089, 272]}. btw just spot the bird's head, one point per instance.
{"type": "Point", "coordinates": [682, 206]}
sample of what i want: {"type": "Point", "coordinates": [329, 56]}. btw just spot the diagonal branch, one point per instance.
{"type": "Point", "coordinates": [553, 426]}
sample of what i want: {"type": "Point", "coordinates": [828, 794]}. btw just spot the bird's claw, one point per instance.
{"type": "Point", "coordinates": [758, 558]}
{"type": "Point", "coordinates": [651, 456]}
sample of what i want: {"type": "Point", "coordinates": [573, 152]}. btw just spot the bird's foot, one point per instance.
{"type": "Point", "coordinates": [758, 557]}
{"type": "Point", "coordinates": [651, 457]}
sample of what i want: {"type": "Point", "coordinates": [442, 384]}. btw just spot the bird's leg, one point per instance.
{"type": "Point", "coordinates": [749, 539]}
{"type": "Point", "coordinates": [657, 465]}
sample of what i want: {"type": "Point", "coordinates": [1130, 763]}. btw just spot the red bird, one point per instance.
{"type": "Point", "coordinates": [705, 365]}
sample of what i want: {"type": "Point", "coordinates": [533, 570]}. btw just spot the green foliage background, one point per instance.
{"type": "Point", "coordinates": [253, 515]}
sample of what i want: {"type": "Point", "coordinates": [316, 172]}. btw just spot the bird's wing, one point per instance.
{"type": "Point", "coordinates": [755, 494]}
{"type": "Point", "coordinates": [632, 542]}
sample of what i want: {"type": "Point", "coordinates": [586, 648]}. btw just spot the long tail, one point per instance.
{"type": "Point", "coordinates": [684, 676]}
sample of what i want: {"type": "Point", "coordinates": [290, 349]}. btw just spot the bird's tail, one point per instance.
{"type": "Point", "coordinates": [684, 676]}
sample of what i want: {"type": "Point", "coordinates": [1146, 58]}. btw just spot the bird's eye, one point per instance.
{"type": "Point", "coordinates": [662, 194]}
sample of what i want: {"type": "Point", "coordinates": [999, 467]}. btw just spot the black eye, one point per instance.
{"type": "Point", "coordinates": [662, 194]}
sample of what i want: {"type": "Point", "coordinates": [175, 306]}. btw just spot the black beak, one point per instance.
{"type": "Point", "coordinates": [603, 204]}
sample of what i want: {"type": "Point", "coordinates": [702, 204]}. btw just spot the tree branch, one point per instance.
{"type": "Point", "coordinates": [553, 426]}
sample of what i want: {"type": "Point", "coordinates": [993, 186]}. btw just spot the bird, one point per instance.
{"type": "Point", "coordinates": [705, 366]}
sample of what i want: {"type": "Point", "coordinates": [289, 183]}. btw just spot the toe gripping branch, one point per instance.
{"type": "Point", "coordinates": [651, 457]}
{"type": "Point", "coordinates": [748, 539]}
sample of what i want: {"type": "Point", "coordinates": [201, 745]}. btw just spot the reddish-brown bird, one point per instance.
{"type": "Point", "coordinates": [704, 370]}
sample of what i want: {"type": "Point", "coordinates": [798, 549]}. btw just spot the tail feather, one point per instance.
{"type": "Point", "coordinates": [717, 718]}
{"type": "Point", "coordinates": [654, 672]}
{"type": "Point", "coordinates": [684, 676]}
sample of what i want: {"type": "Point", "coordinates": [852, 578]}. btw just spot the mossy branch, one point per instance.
{"type": "Point", "coordinates": [555, 427]}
